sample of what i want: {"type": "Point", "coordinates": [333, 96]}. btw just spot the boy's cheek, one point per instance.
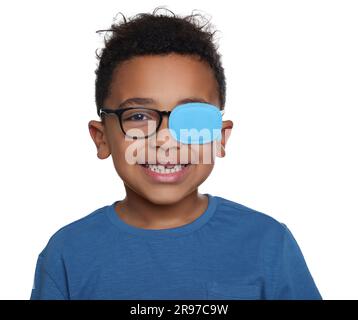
{"type": "Point", "coordinates": [127, 152]}
{"type": "Point", "coordinates": [134, 152]}
{"type": "Point", "coordinates": [208, 153]}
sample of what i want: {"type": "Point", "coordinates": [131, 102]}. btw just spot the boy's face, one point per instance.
{"type": "Point", "coordinates": [167, 80]}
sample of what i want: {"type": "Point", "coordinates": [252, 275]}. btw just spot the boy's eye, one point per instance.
{"type": "Point", "coordinates": [138, 115]}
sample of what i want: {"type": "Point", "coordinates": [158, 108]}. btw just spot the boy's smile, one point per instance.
{"type": "Point", "coordinates": [161, 82]}
{"type": "Point", "coordinates": [168, 173]}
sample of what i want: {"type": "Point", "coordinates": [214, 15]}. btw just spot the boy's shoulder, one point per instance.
{"type": "Point", "coordinates": [244, 211]}
{"type": "Point", "coordinates": [90, 221]}
{"type": "Point", "coordinates": [86, 229]}
{"type": "Point", "coordinates": [243, 216]}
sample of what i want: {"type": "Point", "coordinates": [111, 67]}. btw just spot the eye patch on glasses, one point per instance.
{"type": "Point", "coordinates": [189, 123]}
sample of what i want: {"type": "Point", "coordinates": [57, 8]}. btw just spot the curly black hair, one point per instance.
{"type": "Point", "coordinates": [148, 34]}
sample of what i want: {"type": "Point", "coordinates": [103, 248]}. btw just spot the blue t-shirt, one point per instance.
{"type": "Point", "coordinates": [229, 252]}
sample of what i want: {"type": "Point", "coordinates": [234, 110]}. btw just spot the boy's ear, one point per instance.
{"type": "Point", "coordinates": [97, 132]}
{"type": "Point", "coordinates": [225, 134]}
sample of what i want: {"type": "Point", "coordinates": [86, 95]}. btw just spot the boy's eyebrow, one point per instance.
{"type": "Point", "coordinates": [144, 101]}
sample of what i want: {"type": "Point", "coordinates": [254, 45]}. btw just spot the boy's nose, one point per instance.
{"type": "Point", "coordinates": [164, 138]}
{"type": "Point", "coordinates": [165, 123]}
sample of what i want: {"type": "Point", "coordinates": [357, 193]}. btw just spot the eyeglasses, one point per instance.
{"type": "Point", "coordinates": [193, 122]}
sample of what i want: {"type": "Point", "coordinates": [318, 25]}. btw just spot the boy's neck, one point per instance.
{"type": "Point", "coordinates": [137, 211]}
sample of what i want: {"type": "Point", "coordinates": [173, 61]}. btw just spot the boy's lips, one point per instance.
{"type": "Point", "coordinates": [169, 173]}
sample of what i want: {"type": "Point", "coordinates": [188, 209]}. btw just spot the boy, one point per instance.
{"type": "Point", "coordinates": [160, 93]}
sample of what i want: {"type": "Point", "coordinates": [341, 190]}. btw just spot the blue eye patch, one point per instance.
{"type": "Point", "coordinates": [196, 123]}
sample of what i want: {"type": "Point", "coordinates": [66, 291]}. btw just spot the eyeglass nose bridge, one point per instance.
{"type": "Point", "coordinates": [162, 114]}
{"type": "Point", "coordinates": [165, 113]}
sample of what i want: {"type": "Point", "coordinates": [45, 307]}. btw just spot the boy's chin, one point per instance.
{"type": "Point", "coordinates": [164, 196]}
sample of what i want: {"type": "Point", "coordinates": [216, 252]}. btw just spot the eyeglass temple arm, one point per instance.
{"type": "Point", "coordinates": [106, 111]}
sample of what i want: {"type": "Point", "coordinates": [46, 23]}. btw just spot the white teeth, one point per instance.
{"type": "Point", "coordinates": [162, 169]}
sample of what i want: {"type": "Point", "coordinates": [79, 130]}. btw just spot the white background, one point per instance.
{"type": "Point", "coordinates": [292, 92]}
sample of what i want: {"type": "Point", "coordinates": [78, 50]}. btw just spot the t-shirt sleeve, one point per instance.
{"type": "Point", "coordinates": [293, 279]}
{"type": "Point", "coordinates": [45, 287]}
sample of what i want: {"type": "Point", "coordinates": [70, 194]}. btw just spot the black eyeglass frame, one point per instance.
{"type": "Point", "coordinates": [119, 113]}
